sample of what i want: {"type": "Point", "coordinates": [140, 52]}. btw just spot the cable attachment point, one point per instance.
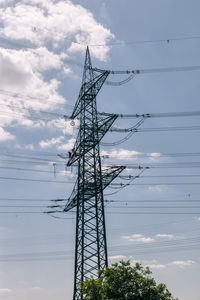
{"type": "Point", "coordinates": [72, 123]}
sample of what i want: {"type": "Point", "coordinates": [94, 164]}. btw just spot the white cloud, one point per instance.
{"type": "Point", "coordinates": [113, 257]}
{"type": "Point", "coordinates": [154, 154]}
{"type": "Point", "coordinates": [64, 125]}
{"type": "Point", "coordinates": [51, 142]}
{"type": "Point", "coordinates": [156, 266]}
{"type": "Point", "coordinates": [41, 59]}
{"type": "Point", "coordinates": [121, 154]}
{"type": "Point", "coordinates": [67, 173]}
{"type": "Point", "coordinates": [138, 238]}
{"type": "Point", "coordinates": [5, 290]}
{"type": "Point", "coordinates": [198, 219]}
{"type": "Point", "coordinates": [19, 72]}
{"type": "Point", "coordinates": [50, 26]}
{"type": "Point", "coordinates": [59, 143]}
{"type": "Point", "coordinates": [124, 154]}
{"type": "Point", "coordinates": [182, 263]}
{"type": "Point", "coordinates": [34, 289]}
{"type": "Point", "coordinates": [5, 1]}
{"type": "Point", "coordinates": [29, 147]}
{"type": "Point", "coordinates": [155, 188]}
{"type": "Point", "coordinates": [12, 72]}
{"type": "Point", "coordinates": [5, 135]}
{"type": "Point", "coordinates": [168, 236]}
{"type": "Point", "coordinates": [40, 21]}
{"type": "Point", "coordinates": [66, 147]}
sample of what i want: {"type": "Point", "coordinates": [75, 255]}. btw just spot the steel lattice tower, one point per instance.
{"type": "Point", "coordinates": [87, 195]}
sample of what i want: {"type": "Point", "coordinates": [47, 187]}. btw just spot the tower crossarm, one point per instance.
{"type": "Point", "coordinates": [103, 125]}
{"type": "Point", "coordinates": [109, 173]}
{"type": "Point", "coordinates": [89, 91]}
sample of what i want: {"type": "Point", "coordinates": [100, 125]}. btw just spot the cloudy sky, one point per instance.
{"type": "Point", "coordinates": [156, 219]}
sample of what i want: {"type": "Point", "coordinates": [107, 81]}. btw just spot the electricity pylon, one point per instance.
{"type": "Point", "coordinates": [87, 195]}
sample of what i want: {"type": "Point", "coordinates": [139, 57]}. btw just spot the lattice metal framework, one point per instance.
{"type": "Point", "coordinates": [87, 195]}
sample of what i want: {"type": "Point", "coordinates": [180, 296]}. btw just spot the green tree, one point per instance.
{"type": "Point", "coordinates": [121, 281]}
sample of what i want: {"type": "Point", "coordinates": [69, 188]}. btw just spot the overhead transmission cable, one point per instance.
{"type": "Point", "coordinates": [106, 200]}
{"type": "Point", "coordinates": [175, 245]}
{"type": "Point", "coordinates": [149, 201]}
{"type": "Point", "coordinates": [158, 115]}
{"type": "Point", "coordinates": [28, 200]}
{"type": "Point", "coordinates": [115, 207]}
{"type": "Point", "coordinates": [147, 41]}
{"type": "Point", "coordinates": [166, 40]}
{"type": "Point", "coordinates": [5, 150]}
{"type": "Point", "coordinates": [24, 154]}
{"type": "Point", "coordinates": [131, 73]}
{"type": "Point", "coordinates": [173, 128]}
{"type": "Point", "coordinates": [108, 212]}
{"type": "Point", "coordinates": [33, 180]}
{"type": "Point", "coordinates": [130, 181]}
{"type": "Point", "coordinates": [155, 183]}
{"type": "Point", "coordinates": [153, 70]}
{"type": "Point", "coordinates": [136, 126]}
{"type": "Point", "coordinates": [21, 95]}
{"type": "Point", "coordinates": [31, 117]}
{"type": "Point", "coordinates": [39, 171]}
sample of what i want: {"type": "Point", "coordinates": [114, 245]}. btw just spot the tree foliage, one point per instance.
{"type": "Point", "coordinates": [121, 281]}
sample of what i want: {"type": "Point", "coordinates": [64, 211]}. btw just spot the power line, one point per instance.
{"type": "Point", "coordinates": [23, 206]}
{"type": "Point", "coordinates": [27, 157]}
{"type": "Point", "coordinates": [153, 70]}
{"type": "Point", "coordinates": [106, 156]}
{"type": "Point", "coordinates": [157, 115]}
{"type": "Point", "coordinates": [176, 242]}
{"type": "Point", "coordinates": [150, 200]}
{"type": "Point", "coordinates": [106, 200]}
{"type": "Point", "coordinates": [108, 212]}
{"type": "Point", "coordinates": [164, 165]}
{"type": "Point", "coordinates": [21, 95]}
{"type": "Point", "coordinates": [30, 199]}
{"type": "Point", "coordinates": [186, 244]}
{"type": "Point", "coordinates": [6, 152]}
{"type": "Point", "coordinates": [140, 167]}
{"type": "Point", "coordinates": [152, 41]}
{"type": "Point", "coordinates": [40, 171]}
{"type": "Point", "coordinates": [33, 180]}
{"type": "Point", "coordinates": [33, 117]}
{"type": "Point", "coordinates": [160, 176]}
{"type": "Point", "coordinates": [31, 110]}
{"type": "Point", "coordinates": [22, 212]}
{"type": "Point", "coordinates": [116, 207]}
{"type": "Point", "coordinates": [174, 128]}
{"type": "Point", "coordinates": [137, 228]}
{"type": "Point", "coordinates": [157, 183]}
{"type": "Point", "coordinates": [163, 207]}
{"type": "Point", "coordinates": [38, 163]}
{"type": "Point", "coordinates": [153, 213]}
{"type": "Point", "coordinates": [116, 43]}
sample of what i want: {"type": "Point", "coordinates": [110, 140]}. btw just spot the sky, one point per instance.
{"type": "Point", "coordinates": [156, 219]}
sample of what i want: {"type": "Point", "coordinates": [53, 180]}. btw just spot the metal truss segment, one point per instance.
{"type": "Point", "coordinates": [108, 175]}
{"type": "Point", "coordinates": [101, 128]}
